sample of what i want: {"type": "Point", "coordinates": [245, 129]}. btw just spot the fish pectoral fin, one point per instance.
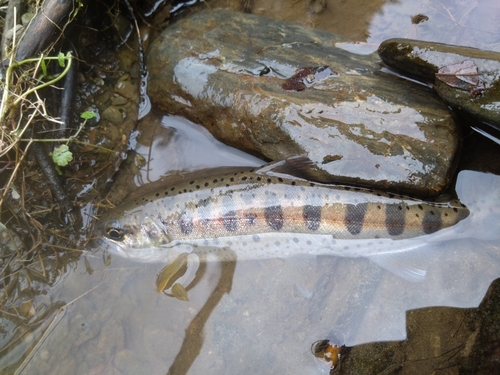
{"type": "Point", "coordinates": [178, 247]}
{"type": "Point", "coordinates": [301, 271]}
{"type": "Point", "coordinates": [399, 264]}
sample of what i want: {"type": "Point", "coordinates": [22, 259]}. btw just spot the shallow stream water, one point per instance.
{"type": "Point", "coordinates": [261, 316]}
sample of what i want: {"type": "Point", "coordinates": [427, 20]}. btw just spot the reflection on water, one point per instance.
{"type": "Point", "coordinates": [464, 23]}
{"type": "Point", "coordinates": [245, 317]}
{"type": "Point", "coordinates": [189, 148]}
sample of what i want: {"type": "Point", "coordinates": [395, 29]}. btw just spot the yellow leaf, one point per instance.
{"type": "Point", "coordinates": [167, 273]}
{"type": "Point", "coordinates": [179, 292]}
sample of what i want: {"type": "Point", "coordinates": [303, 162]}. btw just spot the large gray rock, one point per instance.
{"type": "Point", "coordinates": [468, 79]}
{"type": "Point", "coordinates": [226, 70]}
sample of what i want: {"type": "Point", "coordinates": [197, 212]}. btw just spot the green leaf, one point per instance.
{"type": "Point", "coordinates": [44, 68]}
{"type": "Point", "coordinates": [62, 155]}
{"type": "Point", "coordinates": [87, 115]}
{"type": "Point", "coordinates": [62, 59]}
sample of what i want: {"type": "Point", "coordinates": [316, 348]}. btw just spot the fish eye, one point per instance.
{"type": "Point", "coordinates": [114, 231]}
{"type": "Point", "coordinates": [115, 234]}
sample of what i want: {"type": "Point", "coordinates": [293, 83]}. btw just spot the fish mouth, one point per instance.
{"type": "Point", "coordinates": [133, 253]}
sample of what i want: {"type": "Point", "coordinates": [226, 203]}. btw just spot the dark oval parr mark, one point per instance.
{"type": "Point", "coordinates": [230, 221]}
{"type": "Point", "coordinates": [355, 217]}
{"type": "Point", "coordinates": [274, 217]}
{"type": "Point", "coordinates": [250, 218]}
{"type": "Point", "coordinates": [432, 222]}
{"type": "Point", "coordinates": [394, 219]}
{"type": "Point", "coordinates": [312, 217]}
{"type": "Point", "coordinates": [186, 224]}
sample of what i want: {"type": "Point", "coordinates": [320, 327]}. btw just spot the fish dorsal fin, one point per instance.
{"type": "Point", "coordinates": [300, 167]}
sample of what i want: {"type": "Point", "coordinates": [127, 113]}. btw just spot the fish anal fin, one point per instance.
{"type": "Point", "coordinates": [399, 264]}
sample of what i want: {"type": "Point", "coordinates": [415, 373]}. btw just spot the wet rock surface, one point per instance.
{"type": "Point", "coordinates": [441, 340]}
{"type": "Point", "coordinates": [468, 79]}
{"type": "Point", "coordinates": [358, 124]}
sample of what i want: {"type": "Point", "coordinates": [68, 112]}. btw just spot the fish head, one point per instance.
{"type": "Point", "coordinates": [132, 237]}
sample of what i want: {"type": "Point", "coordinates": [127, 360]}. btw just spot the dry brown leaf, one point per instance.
{"type": "Point", "coordinates": [464, 76]}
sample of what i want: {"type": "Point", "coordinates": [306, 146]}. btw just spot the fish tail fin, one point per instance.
{"type": "Point", "coordinates": [480, 192]}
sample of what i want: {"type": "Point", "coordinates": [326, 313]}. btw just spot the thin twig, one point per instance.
{"type": "Point", "coordinates": [18, 165]}
{"type": "Point", "coordinates": [6, 87]}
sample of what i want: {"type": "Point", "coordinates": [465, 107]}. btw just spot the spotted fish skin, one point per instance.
{"type": "Point", "coordinates": [244, 206]}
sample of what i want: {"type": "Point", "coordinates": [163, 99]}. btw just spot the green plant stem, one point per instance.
{"type": "Point", "coordinates": [15, 65]}
{"type": "Point", "coordinates": [74, 136]}
{"type": "Point", "coordinates": [45, 84]}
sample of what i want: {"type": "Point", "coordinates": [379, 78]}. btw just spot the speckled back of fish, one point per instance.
{"type": "Point", "coordinates": [241, 209]}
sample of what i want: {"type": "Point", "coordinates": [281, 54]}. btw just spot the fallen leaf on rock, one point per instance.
{"type": "Point", "coordinates": [306, 77]}
{"type": "Point", "coordinates": [464, 76]}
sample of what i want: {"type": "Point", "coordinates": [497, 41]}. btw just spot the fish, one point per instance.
{"type": "Point", "coordinates": [259, 213]}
